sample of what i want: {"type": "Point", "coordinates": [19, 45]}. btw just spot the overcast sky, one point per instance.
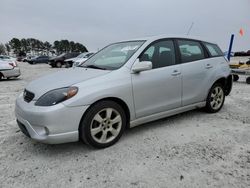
{"type": "Point", "coordinates": [96, 23]}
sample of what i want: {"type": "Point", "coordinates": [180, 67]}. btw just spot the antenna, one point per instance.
{"type": "Point", "coordinates": [191, 26]}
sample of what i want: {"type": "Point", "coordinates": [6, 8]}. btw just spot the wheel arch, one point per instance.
{"type": "Point", "coordinates": [114, 99]}
{"type": "Point", "coordinates": [226, 82]}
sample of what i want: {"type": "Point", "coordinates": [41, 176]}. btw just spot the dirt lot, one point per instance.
{"type": "Point", "coordinates": [194, 149]}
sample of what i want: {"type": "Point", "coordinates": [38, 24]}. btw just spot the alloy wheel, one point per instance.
{"type": "Point", "coordinates": [217, 98]}
{"type": "Point", "coordinates": [106, 125]}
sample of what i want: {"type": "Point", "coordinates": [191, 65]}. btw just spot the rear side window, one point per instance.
{"type": "Point", "coordinates": [190, 50]}
{"type": "Point", "coordinates": [213, 50]}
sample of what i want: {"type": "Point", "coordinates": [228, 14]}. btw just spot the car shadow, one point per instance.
{"type": "Point", "coordinates": [161, 122]}
{"type": "Point", "coordinates": [11, 79]}
{"type": "Point", "coordinates": [48, 150]}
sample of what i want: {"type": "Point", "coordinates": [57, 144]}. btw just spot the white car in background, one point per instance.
{"type": "Point", "coordinates": [5, 57]}
{"type": "Point", "coordinates": [72, 62]}
{"type": "Point", "coordinates": [9, 69]}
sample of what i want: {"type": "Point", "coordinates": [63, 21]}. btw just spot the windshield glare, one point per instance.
{"type": "Point", "coordinates": [113, 56]}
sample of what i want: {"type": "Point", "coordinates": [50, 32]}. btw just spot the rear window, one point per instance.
{"type": "Point", "coordinates": [213, 50]}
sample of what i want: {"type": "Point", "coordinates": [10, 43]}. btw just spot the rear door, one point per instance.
{"type": "Point", "coordinates": [193, 61]}
{"type": "Point", "coordinates": [159, 89]}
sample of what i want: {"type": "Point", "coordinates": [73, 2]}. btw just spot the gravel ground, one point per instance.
{"type": "Point", "coordinates": [193, 149]}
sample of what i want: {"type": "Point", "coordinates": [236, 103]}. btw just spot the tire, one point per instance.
{"type": "Point", "coordinates": [215, 98]}
{"type": "Point", "coordinates": [1, 76]}
{"type": "Point", "coordinates": [96, 128]}
{"type": "Point", "coordinates": [248, 80]}
{"type": "Point", "coordinates": [235, 78]}
{"type": "Point", "coordinates": [58, 64]}
{"type": "Point", "coordinates": [67, 65]}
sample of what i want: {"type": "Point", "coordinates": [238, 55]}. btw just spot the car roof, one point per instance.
{"type": "Point", "coordinates": [158, 37]}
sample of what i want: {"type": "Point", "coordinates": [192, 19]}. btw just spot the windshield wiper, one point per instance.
{"type": "Point", "coordinates": [93, 67]}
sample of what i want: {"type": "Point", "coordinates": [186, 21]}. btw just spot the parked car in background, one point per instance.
{"type": "Point", "coordinates": [124, 85]}
{"type": "Point", "coordinates": [5, 57]}
{"type": "Point", "coordinates": [38, 59]}
{"type": "Point", "coordinates": [69, 62]}
{"type": "Point", "coordinates": [59, 61]}
{"type": "Point", "coordinates": [20, 58]}
{"type": "Point", "coordinates": [82, 59]}
{"type": "Point", "coordinates": [9, 69]}
{"type": "Point", "coordinates": [28, 58]}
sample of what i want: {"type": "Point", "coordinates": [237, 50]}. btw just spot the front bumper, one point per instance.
{"type": "Point", "coordinates": [53, 125]}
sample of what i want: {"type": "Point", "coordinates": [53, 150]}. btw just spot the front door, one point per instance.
{"type": "Point", "coordinates": [159, 89]}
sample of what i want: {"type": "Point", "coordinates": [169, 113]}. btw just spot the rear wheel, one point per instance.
{"type": "Point", "coordinates": [67, 65]}
{"type": "Point", "coordinates": [103, 124]}
{"type": "Point", "coordinates": [236, 78]}
{"type": "Point", "coordinates": [1, 76]}
{"type": "Point", "coordinates": [215, 98]}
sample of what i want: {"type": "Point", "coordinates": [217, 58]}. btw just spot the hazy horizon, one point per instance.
{"type": "Point", "coordinates": [98, 23]}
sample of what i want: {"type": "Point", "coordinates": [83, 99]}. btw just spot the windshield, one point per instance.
{"type": "Point", "coordinates": [113, 56]}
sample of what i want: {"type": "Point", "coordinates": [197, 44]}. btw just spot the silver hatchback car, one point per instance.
{"type": "Point", "coordinates": [123, 85]}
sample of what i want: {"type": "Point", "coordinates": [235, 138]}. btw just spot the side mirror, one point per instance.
{"type": "Point", "coordinates": [140, 66]}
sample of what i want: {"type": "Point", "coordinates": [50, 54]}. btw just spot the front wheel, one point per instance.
{"type": "Point", "coordinates": [215, 98]}
{"type": "Point", "coordinates": [103, 124]}
{"type": "Point", "coordinates": [58, 64]}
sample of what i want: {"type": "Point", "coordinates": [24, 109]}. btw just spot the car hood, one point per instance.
{"type": "Point", "coordinates": [71, 59]}
{"type": "Point", "coordinates": [62, 79]}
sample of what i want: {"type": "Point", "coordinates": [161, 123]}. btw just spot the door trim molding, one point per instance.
{"type": "Point", "coordinates": [164, 114]}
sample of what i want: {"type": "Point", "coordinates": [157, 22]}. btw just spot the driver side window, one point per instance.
{"type": "Point", "coordinates": [161, 54]}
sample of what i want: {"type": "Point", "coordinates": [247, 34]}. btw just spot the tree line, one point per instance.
{"type": "Point", "coordinates": [21, 47]}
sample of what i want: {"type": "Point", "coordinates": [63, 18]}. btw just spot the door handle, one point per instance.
{"type": "Point", "coordinates": [208, 66]}
{"type": "Point", "coordinates": [175, 73]}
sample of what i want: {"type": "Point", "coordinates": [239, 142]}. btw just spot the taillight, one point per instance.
{"type": "Point", "coordinates": [13, 64]}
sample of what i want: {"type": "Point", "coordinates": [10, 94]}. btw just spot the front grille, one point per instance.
{"type": "Point", "coordinates": [28, 96]}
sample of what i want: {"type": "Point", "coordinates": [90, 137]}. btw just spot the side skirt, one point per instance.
{"type": "Point", "coordinates": [164, 114]}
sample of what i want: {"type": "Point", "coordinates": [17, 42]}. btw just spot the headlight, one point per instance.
{"type": "Point", "coordinates": [56, 96]}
